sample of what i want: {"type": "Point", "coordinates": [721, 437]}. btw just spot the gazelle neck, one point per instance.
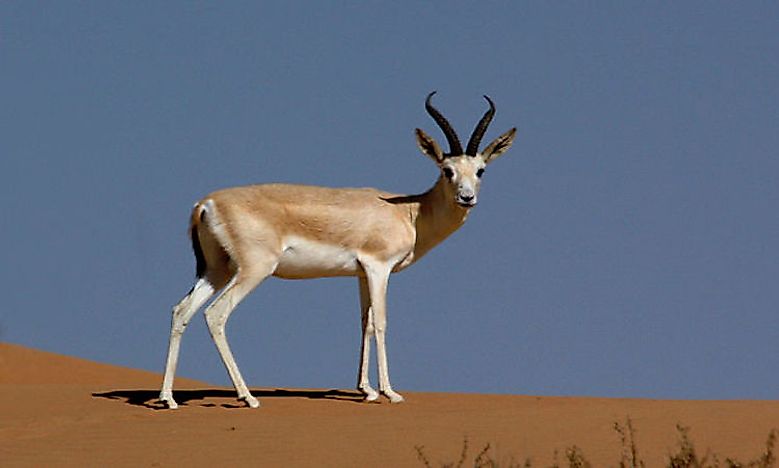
{"type": "Point", "coordinates": [436, 216]}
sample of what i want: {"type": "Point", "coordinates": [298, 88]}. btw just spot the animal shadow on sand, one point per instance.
{"type": "Point", "coordinates": [150, 398]}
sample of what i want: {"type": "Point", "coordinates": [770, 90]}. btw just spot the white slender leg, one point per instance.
{"type": "Point", "coordinates": [378, 276]}
{"type": "Point", "coordinates": [216, 317]}
{"type": "Point", "coordinates": [182, 314]}
{"type": "Point", "coordinates": [366, 314]}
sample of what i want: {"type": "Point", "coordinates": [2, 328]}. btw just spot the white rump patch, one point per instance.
{"type": "Point", "coordinates": [215, 225]}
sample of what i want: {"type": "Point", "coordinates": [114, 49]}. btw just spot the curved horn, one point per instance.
{"type": "Point", "coordinates": [478, 132]}
{"type": "Point", "coordinates": [454, 142]}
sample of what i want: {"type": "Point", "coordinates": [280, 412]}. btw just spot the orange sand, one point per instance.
{"type": "Point", "coordinates": [62, 411]}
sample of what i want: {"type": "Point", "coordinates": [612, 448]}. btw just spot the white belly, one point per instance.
{"type": "Point", "coordinates": [304, 258]}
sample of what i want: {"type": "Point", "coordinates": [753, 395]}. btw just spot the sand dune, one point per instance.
{"type": "Point", "coordinates": [62, 411]}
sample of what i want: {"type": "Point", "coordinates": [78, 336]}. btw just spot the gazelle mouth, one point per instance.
{"type": "Point", "coordinates": [465, 204]}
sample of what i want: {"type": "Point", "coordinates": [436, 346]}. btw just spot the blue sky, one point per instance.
{"type": "Point", "coordinates": [627, 245]}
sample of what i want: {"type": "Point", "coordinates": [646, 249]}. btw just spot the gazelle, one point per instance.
{"type": "Point", "coordinates": [242, 235]}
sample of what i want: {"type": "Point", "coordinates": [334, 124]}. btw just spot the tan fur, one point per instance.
{"type": "Point", "coordinates": [367, 221]}
{"type": "Point", "coordinates": [246, 234]}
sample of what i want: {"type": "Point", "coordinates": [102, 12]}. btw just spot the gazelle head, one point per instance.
{"type": "Point", "coordinates": [461, 170]}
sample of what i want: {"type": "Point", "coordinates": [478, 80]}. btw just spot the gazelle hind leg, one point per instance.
{"type": "Point", "coordinates": [378, 276]}
{"type": "Point", "coordinates": [182, 314]}
{"type": "Point", "coordinates": [366, 314]}
{"type": "Point", "coordinates": [219, 311]}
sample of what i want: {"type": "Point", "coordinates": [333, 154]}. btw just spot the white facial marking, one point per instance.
{"type": "Point", "coordinates": [463, 174]}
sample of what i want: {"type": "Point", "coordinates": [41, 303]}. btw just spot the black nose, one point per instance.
{"type": "Point", "coordinates": [466, 198]}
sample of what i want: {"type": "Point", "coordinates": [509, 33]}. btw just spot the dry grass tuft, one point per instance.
{"type": "Point", "coordinates": [627, 437]}
{"type": "Point", "coordinates": [685, 455]}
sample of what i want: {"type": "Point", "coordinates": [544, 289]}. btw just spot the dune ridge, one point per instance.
{"type": "Point", "coordinates": [63, 411]}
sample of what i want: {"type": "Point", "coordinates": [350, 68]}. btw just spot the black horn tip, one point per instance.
{"type": "Point", "coordinates": [478, 132]}
{"type": "Point", "coordinates": [446, 127]}
{"type": "Point", "coordinates": [492, 104]}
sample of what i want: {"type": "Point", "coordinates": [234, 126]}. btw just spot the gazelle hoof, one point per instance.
{"type": "Point", "coordinates": [394, 397]}
{"type": "Point", "coordinates": [370, 394]}
{"type": "Point", "coordinates": [251, 402]}
{"type": "Point", "coordinates": [168, 401]}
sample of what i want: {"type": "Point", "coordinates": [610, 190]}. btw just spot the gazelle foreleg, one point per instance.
{"type": "Point", "coordinates": [366, 314]}
{"type": "Point", "coordinates": [378, 277]}
{"type": "Point", "coordinates": [217, 314]}
{"type": "Point", "coordinates": [182, 314]}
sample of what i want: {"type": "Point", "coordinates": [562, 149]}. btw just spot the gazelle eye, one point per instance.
{"type": "Point", "coordinates": [448, 173]}
{"type": "Point", "coordinates": [480, 172]}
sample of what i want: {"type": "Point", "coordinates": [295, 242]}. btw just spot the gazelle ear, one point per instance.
{"type": "Point", "coordinates": [428, 146]}
{"type": "Point", "coordinates": [499, 146]}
